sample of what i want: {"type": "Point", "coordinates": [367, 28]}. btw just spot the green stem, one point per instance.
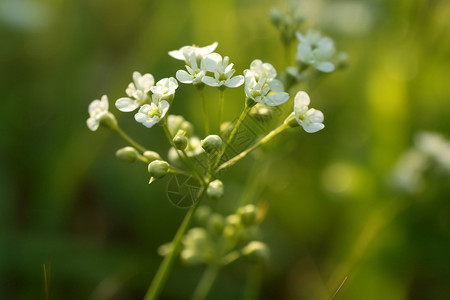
{"type": "Point", "coordinates": [254, 281]}
{"type": "Point", "coordinates": [205, 112]}
{"type": "Point", "coordinates": [261, 142]}
{"type": "Point", "coordinates": [206, 282]}
{"type": "Point", "coordinates": [221, 101]}
{"type": "Point", "coordinates": [164, 268]}
{"type": "Point", "coordinates": [129, 140]}
{"type": "Point", "coordinates": [233, 133]}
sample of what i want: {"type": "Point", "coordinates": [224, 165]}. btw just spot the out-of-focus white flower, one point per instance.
{"type": "Point", "coordinates": [194, 73]}
{"type": "Point", "coordinates": [164, 89]}
{"type": "Point", "coordinates": [262, 90]}
{"type": "Point", "coordinates": [316, 50]}
{"type": "Point", "coordinates": [435, 146]}
{"type": "Point", "coordinates": [98, 112]}
{"type": "Point", "coordinates": [137, 92]}
{"type": "Point", "coordinates": [223, 72]}
{"type": "Point", "coordinates": [150, 114]}
{"type": "Point", "coordinates": [408, 171]}
{"type": "Point", "coordinates": [309, 118]}
{"type": "Point", "coordinates": [199, 52]}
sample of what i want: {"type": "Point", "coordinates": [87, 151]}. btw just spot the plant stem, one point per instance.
{"type": "Point", "coordinates": [164, 268]}
{"type": "Point", "coordinates": [206, 282]}
{"type": "Point", "coordinates": [254, 280]}
{"type": "Point", "coordinates": [205, 111]}
{"type": "Point", "coordinates": [221, 100]}
{"type": "Point", "coordinates": [129, 140]}
{"type": "Point", "coordinates": [233, 133]}
{"type": "Point", "coordinates": [261, 142]}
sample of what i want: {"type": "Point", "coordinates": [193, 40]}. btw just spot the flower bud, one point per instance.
{"type": "Point", "coordinates": [226, 128]}
{"type": "Point", "coordinates": [108, 120]}
{"type": "Point", "coordinates": [127, 154]}
{"type": "Point", "coordinates": [247, 214]}
{"type": "Point", "coordinates": [187, 127]}
{"type": "Point", "coordinates": [232, 226]}
{"type": "Point", "coordinates": [180, 141]}
{"type": "Point", "coordinates": [216, 223]}
{"type": "Point", "coordinates": [202, 214]}
{"type": "Point", "coordinates": [212, 143]}
{"type": "Point", "coordinates": [256, 252]}
{"type": "Point", "coordinates": [157, 169]}
{"type": "Point", "coordinates": [152, 155]}
{"type": "Point", "coordinates": [215, 189]}
{"type": "Point", "coordinates": [276, 16]}
{"type": "Point", "coordinates": [291, 121]}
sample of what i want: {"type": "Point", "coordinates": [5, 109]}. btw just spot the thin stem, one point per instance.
{"type": "Point", "coordinates": [129, 140]}
{"type": "Point", "coordinates": [233, 133]}
{"type": "Point", "coordinates": [205, 111]}
{"type": "Point", "coordinates": [206, 282]}
{"type": "Point", "coordinates": [221, 101]}
{"type": "Point", "coordinates": [261, 142]}
{"type": "Point", "coordinates": [164, 268]}
{"type": "Point", "coordinates": [230, 257]}
{"type": "Point", "coordinates": [254, 281]}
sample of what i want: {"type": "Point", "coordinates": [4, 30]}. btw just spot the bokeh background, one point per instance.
{"type": "Point", "coordinates": [68, 203]}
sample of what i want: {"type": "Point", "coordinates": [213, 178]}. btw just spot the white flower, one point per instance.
{"type": "Point", "coordinates": [435, 146]}
{"type": "Point", "coordinates": [137, 92]}
{"type": "Point", "coordinates": [407, 174]}
{"type": "Point", "coordinates": [260, 69]}
{"type": "Point", "coordinates": [223, 72]}
{"type": "Point", "coordinates": [316, 50]}
{"type": "Point", "coordinates": [150, 114]}
{"type": "Point", "coordinates": [199, 52]}
{"type": "Point", "coordinates": [98, 111]}
{"type": "Point", "coordinates": [165, 88]}
{"type": "Point", "coordinates": [309, 118]}
{"type": "Point", "coordinates": [194, 74]}
{"type": "Point", "coordinates": [261, 90]}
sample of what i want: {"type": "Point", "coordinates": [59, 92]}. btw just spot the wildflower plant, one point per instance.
{"type": "Point", "coordinates": [217, 240]}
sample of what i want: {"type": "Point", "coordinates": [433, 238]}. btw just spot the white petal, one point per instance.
{"type": "Point", "coordinates": [105, 102]}
{"type": "Point", "coordinates": [92, 123]}
{"type": "Point", "coordinates": [126, 104]}
{"type": "Point", "coordinates": [208, 49]}
{"type": "Point", "coordinates": [315, 116]}
{"type": "Point", "coordinates": [177, 54]}
{"type": "Point", "coordinates": [304, 52]}
{"type": "Point", "coordinates": [94, 105]}
{"type": "Point", "coordinates": [250, 80]}
{"type": "Point", "coordinates": [228, 68]}
{"type": "Point", "coordinates": [163, 107]}
{"type": "Point", "coordinates": [235, 81]}
{"type": "Point", "coordinates": [212, 62]}
{"type": "Point", "coordinates": [275, 100]}
{"type": "Point", "coordinates": [301, 100]}
{"type": "Point", "coordinates": [150, 122]}
{"type": "Point", "coordinates": [276, 85]}
{"type": "Point", "coordinates": [172, 84]}
{"type": "Point", "coordinates": [146, 82]}
{"type": "Point", "coordinates": [256, 65]}
{"type": "Point", "coordinates": [140, 117]}
{"type": "Point", "coordinates": [325, 66]}
{"type": "Point", "coordinates": [314, 127]}
{"type": "Point", "coordinates": [136, 76]}
{"type": "Point", "coordinates": [208, 80]}
{"type": "Point", "coordinates": [183, 76]}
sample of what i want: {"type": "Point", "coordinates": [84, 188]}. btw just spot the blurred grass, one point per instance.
{"type": "Point", "coordinates": [66, 200]}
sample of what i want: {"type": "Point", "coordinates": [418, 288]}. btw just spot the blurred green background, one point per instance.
{"type": "Point", "coordinates": [67, 202]}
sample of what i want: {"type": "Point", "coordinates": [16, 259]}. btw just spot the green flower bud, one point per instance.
{"type": "Point", "coordinates": [291, 121]}
{"type": "Point", "coordinates": [216, 223]}
{"type": "Point", "coordinates": [187, 127]}
{"type": "Point", "coordinates": [158, 168]}
{"type": "Point", "coordinates": [108, 120]}
{"type": "Point", "coordinates": [127, 154]}
{"type": "Point", "coordinates": [276, 16]}
{"type": "Point", "coordinates": [152, 155]}
{"type": "Point", "coordinates": [212, 143]}
{"type": "Point", "coordinates": [256, 252]}
{"type": "Point", "coordinates": [202, 214]}
{"type": "Point", "coordinates": [247, 214]}
{"type": "Point", "coordinates": [232, 226]}
{"type": "Point", "coordinates": [215, 189]}
{"type": "Point", "coordinates": [180, 141]}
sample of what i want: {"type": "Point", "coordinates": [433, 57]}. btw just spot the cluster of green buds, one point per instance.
{"type": "Point", "coordinates": [219, 240]}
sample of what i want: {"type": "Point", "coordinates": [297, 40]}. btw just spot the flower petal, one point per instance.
{"type": "Point", "coordinates": [325, 66]}
{"type": "Point", "coordinates": [314, 127]}
{"type": "Point", "coordinates": [301, 100]}
{"type": "Point", "coordinates": [276, 99]}
{"type": "Point", "coordinates": [126, 104]}
{"type": "Point", "coordinates": [208, 80]}
{"type": "Point", "coordinates": [183, 76]}
{"type": "Point", "coordinates": [140, 117]}
{"type": "Point", "coordinates": [207, 49]}
{"type": "Point", "coordinates": [177, 54]}
{"type": "Point", "coordinates": [276, 85]}
{"type": "Point", "coordinates": [92, 123]}
{"type": "Point", "coordinates": [212, 62]}
{"type": "Point", "coordinates": [235, 81]}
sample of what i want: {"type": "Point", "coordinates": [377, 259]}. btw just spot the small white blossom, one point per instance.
{"type": "Point", "coordinates": [261, 90]}
{"type": "Point", "coordinates": [309, 118]}
{"type": "Point", "coordinates": [199, 52]}
{"type": "Point", "coordinates": [137, 92]}
{"type": "Point", "coordinates": [165, 88]}
{"type": "Point", "coordinates": [316, 50]}
{"type": "Point", "coordinates": [150, 114]}
{"type": "Point", "coordinates": [435, 146]}
{"type": "Point", "coordinates": [194, 74]}
{"type": "Point", "coordinates": [223, 72]}
{"type": "Point", "coordinates": [407, 174]}
{"type": "Point", "coordinates": [98, 110]}
{"type": "Point", "coordinates": [267, 71]}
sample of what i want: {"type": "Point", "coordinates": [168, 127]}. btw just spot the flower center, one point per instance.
{"type": "Point", "coordinates": [154, 112]}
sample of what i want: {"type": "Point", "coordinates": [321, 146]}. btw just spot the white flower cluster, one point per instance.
{"type": "Point", "coordinates": [315, 50]}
